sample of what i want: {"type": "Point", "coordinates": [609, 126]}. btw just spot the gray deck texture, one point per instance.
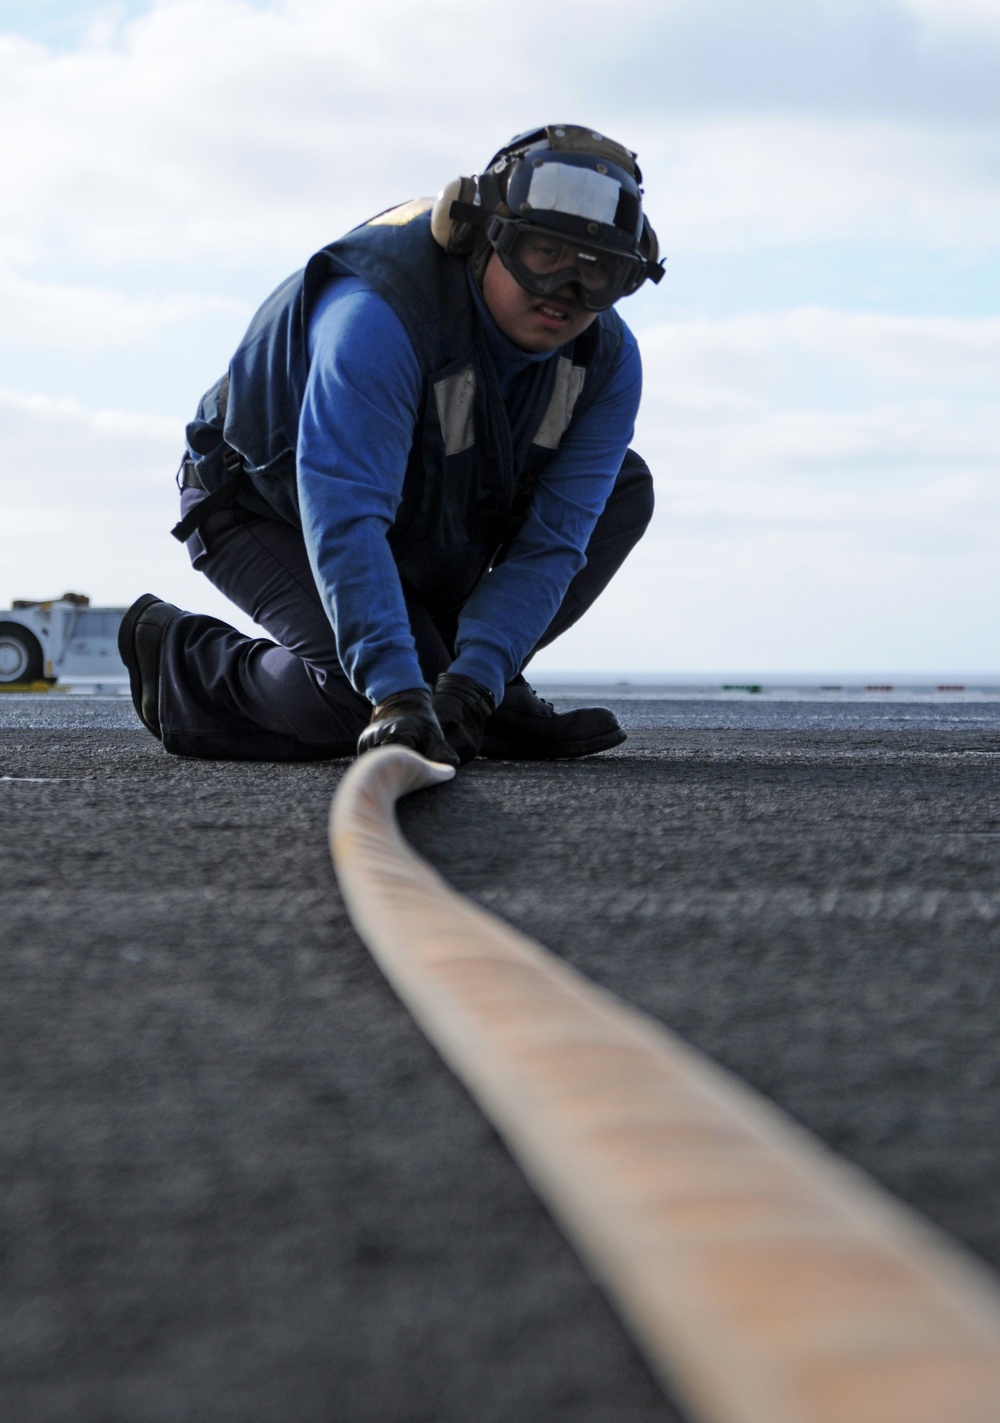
{"type": "Point", "coordinates": [239, 1185]}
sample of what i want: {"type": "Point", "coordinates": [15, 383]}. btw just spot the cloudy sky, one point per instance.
{"type": "Point", "coordinates": [821, 361]}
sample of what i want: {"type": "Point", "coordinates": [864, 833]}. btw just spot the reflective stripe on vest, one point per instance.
{"type": "Point", "coordinates": [565, 393]}
{"type": "Point", "coordinates": [455, 396]}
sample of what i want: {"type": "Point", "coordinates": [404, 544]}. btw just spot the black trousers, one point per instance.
{"type": "Point", "coordinates": [224, 695]}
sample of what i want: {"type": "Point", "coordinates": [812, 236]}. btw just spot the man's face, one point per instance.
{"type": "Point", "coordinates": [535, 323]}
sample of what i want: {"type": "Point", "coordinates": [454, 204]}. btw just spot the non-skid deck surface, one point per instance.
{"type": "Point", "coordinates": [238, 1184]}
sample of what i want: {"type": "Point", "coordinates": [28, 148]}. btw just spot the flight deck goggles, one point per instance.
{"type": "Point", "coordinates": [543, 261]}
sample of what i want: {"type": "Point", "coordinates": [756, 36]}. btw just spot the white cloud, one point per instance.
{"type": "Point", "coordinates": [732, 358]}
{"type": "Point", "coordinates": [87, 502]}
{"type": "Point", "coordinates": [285, 123]}
{"type": "Point", "coordinates": [828, 497]}
{"type": "Point", "coordinates": [871, 58]}
{"type": "Point", "coordinates": [79, 318]}
{"type": "Point", "coordinates": [808, 415]}
{"type": "Point", "coordinates": [738, 184]}
{"type": "Point", "coordinates": [980, 16]}
{"type": "Point", "coordinates": [758, 601]}
{"type": "Point", "coordinates": [27, 418]}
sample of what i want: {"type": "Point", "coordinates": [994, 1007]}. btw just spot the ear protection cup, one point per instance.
{"type": "Point", "coordinates": [457, 238]}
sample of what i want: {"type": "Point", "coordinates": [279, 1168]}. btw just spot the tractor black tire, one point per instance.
{"type": "Point", "coordinates": [21, 659]}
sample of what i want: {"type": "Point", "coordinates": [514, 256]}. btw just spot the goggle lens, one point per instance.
{"type": "Point", "coordinates": [543, 261]}
{"type": "Point", "coordinates": [544, 255]}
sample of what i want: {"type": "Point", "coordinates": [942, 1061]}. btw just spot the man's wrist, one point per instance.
{"type": "Point", "coordinates": [397, 671]}
{"type": "Point", "coordinates": [482, 665]}
{"type": "Point", "coordinates": [406, 698]}
{"type": "Point", "coordinates": [478, 698]}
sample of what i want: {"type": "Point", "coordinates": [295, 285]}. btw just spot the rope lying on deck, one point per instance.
{"type": "Point", "coordinates": [765, 1279]}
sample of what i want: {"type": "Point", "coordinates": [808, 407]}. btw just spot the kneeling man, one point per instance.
{"type": "Point", "coordinates": [416, 473]}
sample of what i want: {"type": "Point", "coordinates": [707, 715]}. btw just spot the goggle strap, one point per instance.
{"type": "Point", "coordinates": [490, 192]}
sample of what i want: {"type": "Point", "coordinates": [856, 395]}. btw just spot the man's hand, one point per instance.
{"type": "Point", "coordinates": [463, 708]}
{"type": "Point", "coordinates": [408, 719]}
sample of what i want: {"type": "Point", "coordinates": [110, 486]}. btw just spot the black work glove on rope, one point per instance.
{"type": "Point", "coordinates": [463, 708]}
{"type": "Point", "coordinates": [408, 719]}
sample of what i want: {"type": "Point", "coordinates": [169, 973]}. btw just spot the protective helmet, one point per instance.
{"type": "Point", "coordinates": [559, 205]}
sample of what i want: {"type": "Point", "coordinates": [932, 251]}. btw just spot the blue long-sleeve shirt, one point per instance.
{"type": "Point", "coordinates": [361, 405]}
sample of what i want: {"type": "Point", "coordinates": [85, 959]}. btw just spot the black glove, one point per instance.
{"type": "Point", "coordinates": [463, 708]}
{"type": "Point", "coordinates": [407, 719]}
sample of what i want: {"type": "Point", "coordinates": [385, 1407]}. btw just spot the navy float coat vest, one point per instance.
{"type": "Point", "coordinates": [473, 461]}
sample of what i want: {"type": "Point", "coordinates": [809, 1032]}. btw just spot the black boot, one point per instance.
{"type": "Point", "coordinates": [139, 640]}
{"type": "Point", "coordinates": [526, 728]}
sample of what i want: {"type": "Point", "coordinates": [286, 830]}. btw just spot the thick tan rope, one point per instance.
{"type": "Point", "coordinates": [765, 1279]}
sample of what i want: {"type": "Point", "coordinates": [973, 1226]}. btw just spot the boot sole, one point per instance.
{"type": "Point", "coordinates": [498, 748]}
{"type": "Point", "coordinates": [144, 687]}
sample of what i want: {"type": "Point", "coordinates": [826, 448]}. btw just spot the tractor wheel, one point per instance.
{"type": "Point", "coordinates": [20, 655]}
